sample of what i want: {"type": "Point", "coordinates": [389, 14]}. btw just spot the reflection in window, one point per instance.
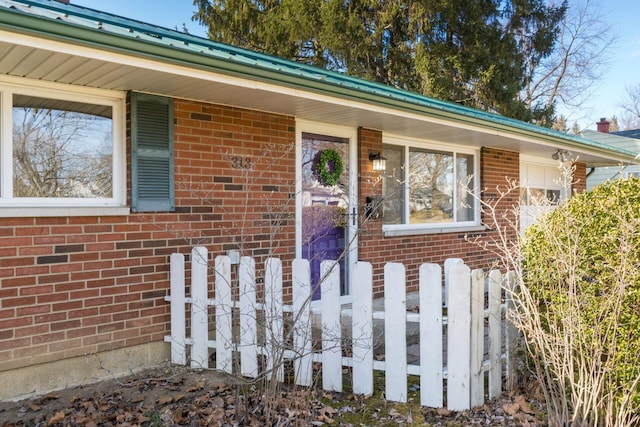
{"type": "Point", "coordinates": [393, 185]}
{"type": "Point", "coordinates": [465, 197]}
{"type": "Point", "coordinates": [61, 149]}
{"type": "Point", "coordinates": [436, 188]}
{"type": "Point", "coordinates": [430, 186]}
{"type": "Point", "coordinates": [539, 196]}
{"type": "Point", "coordinates": [553, 196]}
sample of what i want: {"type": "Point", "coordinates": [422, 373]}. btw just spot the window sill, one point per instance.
{"type": "Point", "coordinates": [394, 230]}
{"type": "Point", "coordinates": [60, 211]}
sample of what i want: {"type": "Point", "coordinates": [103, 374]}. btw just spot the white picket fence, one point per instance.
{"type": "Point", "coordinates": [476, 337]}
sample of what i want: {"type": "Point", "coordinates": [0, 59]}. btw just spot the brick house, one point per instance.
{"type": "Point", "coordinates": [130, 142]}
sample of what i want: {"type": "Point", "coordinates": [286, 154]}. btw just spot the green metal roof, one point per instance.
{"type": "Point", "coordinates": [83, 26]}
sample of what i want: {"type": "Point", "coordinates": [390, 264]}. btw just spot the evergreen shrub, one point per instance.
{"type": "Point", "coordinates": [581, 265]}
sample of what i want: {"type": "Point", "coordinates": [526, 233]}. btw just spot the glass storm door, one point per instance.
{"type": "Point", "coordinates": [327, 217]}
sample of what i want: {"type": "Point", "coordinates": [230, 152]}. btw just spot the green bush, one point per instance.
{"type": "Point", "coordinates": [581, 267]}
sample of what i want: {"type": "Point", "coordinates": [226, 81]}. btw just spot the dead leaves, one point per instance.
{"type": "Point", "coordinates": [163, 400]}
{"type": "Point", "coordinates": [325, 415]}
{"type": "Point", "coordinates": [190, 400]}
{"type": "Point", "coordinates": [196, 387]}
{"type": "Point", "coordinates": [521, 412]}
{"type": "Point", "coordinates": [518, 405]}
{"type": "Point", "coordinates": [58, 417]}
{"type": "Point", "coordinates": [443, 412]}
{"type": "Point", "coordinates": [524, 405]}
{"type": "Point", "coordinates": [513, 410]}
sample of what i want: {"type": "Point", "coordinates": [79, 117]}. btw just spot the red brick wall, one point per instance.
{"type": "Point", "coordinates": [76, 285]}
{"type": "Point", "coordinates": [579, 178]}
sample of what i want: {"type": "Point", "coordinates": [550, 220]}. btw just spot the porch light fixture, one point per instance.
{"type": "Point", "coordinates": [562, 155]}
{"type": "Point", "coordinates": [379, 162]}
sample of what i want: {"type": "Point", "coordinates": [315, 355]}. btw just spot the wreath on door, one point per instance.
{"type": "Point", "coordinates": [329, 167]}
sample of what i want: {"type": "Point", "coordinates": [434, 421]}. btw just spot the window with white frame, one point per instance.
{"type": "Point", "coordinates": [61, 148]}
{"type": "Point", "coordinates": [429, 187]}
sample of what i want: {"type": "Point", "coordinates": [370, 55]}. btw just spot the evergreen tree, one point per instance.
{"type": "Point", "coordinates": [471, 52]}
{"type": "Point", "coordinates": [535, 27]}
{"type": "Point", "coordinates": [465, 56]}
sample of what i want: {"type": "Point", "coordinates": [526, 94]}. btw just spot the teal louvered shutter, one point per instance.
{"type": "Point", "coordinates": [152, 176]}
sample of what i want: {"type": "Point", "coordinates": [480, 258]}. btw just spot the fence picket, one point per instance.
{"type": "Point", "coordinates": [362, 329]}
{"type": "Point", "coordinates": [331, 328]}
{"type": "Point", "coordinates": [430, 294]}
{"type": "Point", "coordinates": [199, 308]}
{"type": "Point", "coordinates": [477, 339]}
{"type": "Point", "coordinates": [178, 321]}
{"type": "Point", "coordinates": [224, 305]}
{"type": "Point", "coordinates": [248, 319]}
{"type": "Point", "coordinates": [495, 333]}
{"type": "Point", "coordinates": [448, 263]}
{"type": "Point", "coordinates": [395, 332]}
{"type": "Point", "coordinates": [274, 317]}
{"type": "Point", "coordinates": [458, 350]}
{"type": "Point", "coordinates": [301, 322]}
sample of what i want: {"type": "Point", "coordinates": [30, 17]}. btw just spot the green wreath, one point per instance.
{"type": "Point", "coordinates": [329, 176]}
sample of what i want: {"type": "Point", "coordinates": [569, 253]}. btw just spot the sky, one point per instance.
{"type": "Point", "coordinates": [624, 66]}
{"type": "Point", "coordinates": [622, 71]}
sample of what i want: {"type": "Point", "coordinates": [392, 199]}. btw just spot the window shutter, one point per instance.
{"type": "Point", "coordinates": [152, 176]}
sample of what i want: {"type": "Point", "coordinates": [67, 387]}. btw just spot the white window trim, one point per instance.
{"type": "Point", "coordinates": [390, 230]}
{"type": "Point", "coordinates": [9, 206]}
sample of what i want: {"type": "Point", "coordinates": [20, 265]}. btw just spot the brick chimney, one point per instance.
{"type": "Point", "coordinates": [603, 125]}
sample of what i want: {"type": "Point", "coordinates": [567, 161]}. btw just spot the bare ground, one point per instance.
{"type": "Point", "coordinates": [177, 396]}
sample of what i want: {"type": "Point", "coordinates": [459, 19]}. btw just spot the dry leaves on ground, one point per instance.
{"type": "Point", "coordinates": [177, 396]}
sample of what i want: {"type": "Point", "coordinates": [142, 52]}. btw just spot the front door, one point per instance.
{"type": "Point", "coordinates": [327, 213]}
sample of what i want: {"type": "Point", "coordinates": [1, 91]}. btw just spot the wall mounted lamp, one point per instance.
{"type": "Point", "coordinates": [562, 155]}
{"type": "Point", "coordinates": [379, 162]}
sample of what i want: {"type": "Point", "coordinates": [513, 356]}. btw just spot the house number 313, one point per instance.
{"type": "Point", "coordinates": [239, 162]}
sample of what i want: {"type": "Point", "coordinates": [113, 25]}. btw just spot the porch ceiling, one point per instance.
{"type": "Point", "coordinates": [53, 61]}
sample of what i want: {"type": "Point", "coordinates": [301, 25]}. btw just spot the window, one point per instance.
{"type": "Point", "coordinates": [633, 174]}
{"type": "Point", "coordinates": [530, 196]}
{"type": "Point", "coordinates": [429, 187]}
{"type": "Point", "coordinates": [60, 149]}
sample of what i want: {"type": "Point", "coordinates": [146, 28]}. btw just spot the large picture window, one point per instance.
{"type": "Point", "coordinates": [60, 149]}
{"type": "Point", "coordinates": [426, 187]}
